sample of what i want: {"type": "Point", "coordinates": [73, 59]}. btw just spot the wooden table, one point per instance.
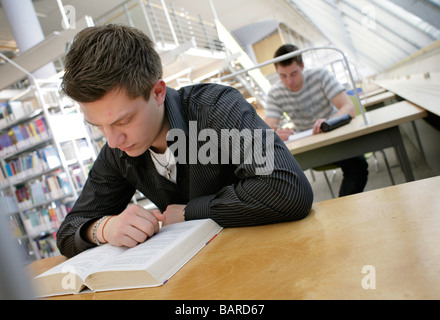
{"type": "Point", "coordinates": [391, 234]}
{"type": "Point", "coordinates": [376, 99]}
{"type": "Point", "coordinates": [373, 93]}
{"type": "Point", "coordinates": [356, 138]}
{"type": "Point", "coordinates": [425, 93]}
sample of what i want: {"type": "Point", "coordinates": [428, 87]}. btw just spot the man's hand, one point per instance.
{"type": "Point", "coordinates": [172, 214]}
{"type": "Point", "coordinates": [317, 126]}
{"type": "Point", "coordinates": [132, 226]}
{"type": "Point", "coordinates": [284, 134]}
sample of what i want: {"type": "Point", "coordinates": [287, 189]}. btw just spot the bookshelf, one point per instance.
{"type": "Point", "coordinates": [45, 155]}
{"type": "Point", "coordinates": [45, 150]}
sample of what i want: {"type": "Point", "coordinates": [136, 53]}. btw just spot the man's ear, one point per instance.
{"type": "Point", "coordinates": [159, 91]}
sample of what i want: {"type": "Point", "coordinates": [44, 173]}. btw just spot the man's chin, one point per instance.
{"type": "Point", "coordinates": [135, 152]}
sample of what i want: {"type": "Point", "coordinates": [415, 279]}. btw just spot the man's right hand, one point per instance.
{"type": "Point", "coordinates": [284, 134]}
{"type": "Point", "coordinates": [132, 226]}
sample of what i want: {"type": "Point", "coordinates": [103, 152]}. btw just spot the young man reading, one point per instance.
{"type": "Point", "coordinates": [310, 97]}
{"type": "Point", "coordinates": [115, 75]}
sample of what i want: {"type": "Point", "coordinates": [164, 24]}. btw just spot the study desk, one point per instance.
{"type": "Point", "coordinates": [425, 93]}
{"type": "Point", "coordinates": [376, 99]}
{"type": "Point", "coordinates": [390, 234]}
{"type": "Point", "coordinates": [356, 138]}
{"type": "Point", "coordinates": [374, 92]}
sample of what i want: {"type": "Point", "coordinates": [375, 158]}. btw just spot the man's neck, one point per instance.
{"type": "Point", "coordinates": [160, 144]}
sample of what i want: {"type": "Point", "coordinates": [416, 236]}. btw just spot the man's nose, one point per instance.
{"type": "Point", "coordinates": [114, 137]}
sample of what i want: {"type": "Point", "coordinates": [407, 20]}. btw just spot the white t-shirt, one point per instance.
{"type": "Point", "coordinates": [165, 164]}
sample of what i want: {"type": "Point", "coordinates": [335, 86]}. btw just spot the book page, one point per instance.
{"type": "Point", "coordinates": [87, 262]}
{"type": "Point", "coordinates": [145, 254]}
{"type": "Point", "coordinates": [300, 135]}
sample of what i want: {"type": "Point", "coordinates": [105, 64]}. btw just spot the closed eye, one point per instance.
{"type": "Point", "coordinates": [122, 122]}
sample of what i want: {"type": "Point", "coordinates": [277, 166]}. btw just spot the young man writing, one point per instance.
{"type": "Point", "coordinates": [310, 97]}
{"type": "Point", "coordinates": [114, 73]}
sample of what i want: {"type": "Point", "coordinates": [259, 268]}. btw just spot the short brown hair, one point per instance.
{"type": "Point", "coordinates": [110, 57]}
{"type": "Point", "coordinates": [285, 49]}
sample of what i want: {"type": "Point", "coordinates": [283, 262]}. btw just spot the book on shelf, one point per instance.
{"type": "Point", "coordinates": [39, 191]}
{"type": "Point", "coordinates": [3, 179]}
{"type": "Point", "coordinates": [23, 135]}
{"type": "Point", "coordinates": [68, 151]}
{"type": "Point", "coordinates": [58, 185]}
{"type": "Point", "coordinates": [6, 113]}
{"type": "Point", "coordinates": [30, 106]}
{"type": "Point", "coordinates": [16, 110]}
{"type": "Point", "coordinates": [149, 264]}
{"type": "Point", "coordinates": [78, 176]}
{"type": "Point", "coordinates": [42, 127]}
{"type": "Point", "coordinates": [85, 152]}
{"type": "Point", "coordinates": [51, 157]}
{"type": "Point", "coordinates": [50, 99]}
{"type": "Point", "coordinates": [3, 116]}
{"type": "Point", "coordinates": [47, 246]}
{"type": "Point", "coordinates": [45, 220]}
{"type": "Point", "coordinates": [8, 203]}
{"type": "Point", "coordinates": [33, 163]}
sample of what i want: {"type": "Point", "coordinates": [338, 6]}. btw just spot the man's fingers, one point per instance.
{"type": "Point", "coordinates": [134, 225]}
{"type": "Point", "coordinates": [131, 234]}
{"type": "Point", "coordinates": [144, 214]}
{"type": "Point", "coordinates": [157, 214]}
{"type": "Point", "coordinates": [139, 235]}
{"type": "Point", "coordinates": [317, 126]}
{"type": "Point", "coordinates": [284, 134]}
{"type": "Point", "coordinates": [128, 242]}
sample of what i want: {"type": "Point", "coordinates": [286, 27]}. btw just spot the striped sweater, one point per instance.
{"type": "Point", "coordinates": [309, 104]}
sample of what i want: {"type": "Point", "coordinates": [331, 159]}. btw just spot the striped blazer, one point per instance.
{"type": "Point", "coordinates": [233, 194]}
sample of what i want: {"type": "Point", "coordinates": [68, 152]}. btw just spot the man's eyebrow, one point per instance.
{"type": "Point", "coordinates": [122, 117]}
{"type": "Point", "coordinates": [92, 124]}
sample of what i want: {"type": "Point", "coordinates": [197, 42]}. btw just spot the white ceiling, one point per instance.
{"type": "Point", "coordinates": [375, 33]}
{"type": "Point", "coordinates": [50, 17]}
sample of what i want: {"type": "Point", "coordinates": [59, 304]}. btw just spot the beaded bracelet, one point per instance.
{"type": "Point", "coordinates": [95, 228]}
{"type": "Point", "coordinates": [102, 230]}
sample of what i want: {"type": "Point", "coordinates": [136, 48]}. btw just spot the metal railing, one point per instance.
{"type": "Point", "coordinates": [165, 25]}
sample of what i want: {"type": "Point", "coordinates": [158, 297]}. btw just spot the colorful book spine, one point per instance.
{"type": "Point", "coordinates": [7, 203]}
{"type": "Point", "coordinates": [45, 220]}
{"type": "Point", "coordinates": [22, 136]}
{"type": "Point", "coordinates": [41, 191]}
{"type": "Point", "coordinates": [13, 111]}
{"type": "Point", "coordinates": [33, 163]}
{"type": "Point", "coordinates": [47, 246]}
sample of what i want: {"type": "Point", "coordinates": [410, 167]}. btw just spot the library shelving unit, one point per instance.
{"type": "Point", "coordinates": [45, 153]}
{"type": "Point", "coordinates": [45, 149]}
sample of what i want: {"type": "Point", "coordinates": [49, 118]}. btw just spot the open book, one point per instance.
{"type": "Point", "coordinates": [148, 264]}
{"type": "Point", "coordinates": [300, 135]}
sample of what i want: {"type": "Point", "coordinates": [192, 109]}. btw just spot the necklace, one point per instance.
{"type": "Point", "coordinates": [167, 169]}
